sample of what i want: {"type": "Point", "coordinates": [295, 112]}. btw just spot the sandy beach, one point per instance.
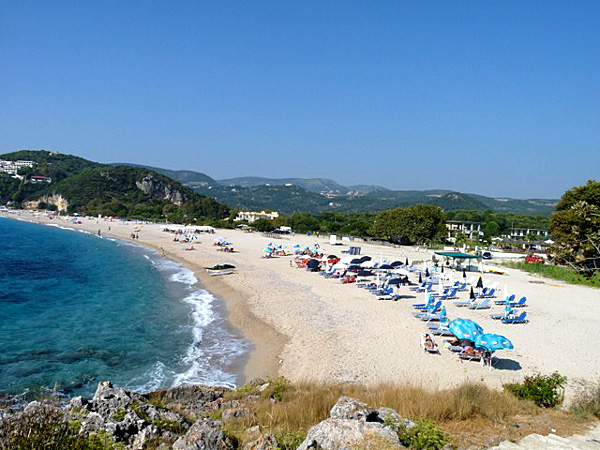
{"type": "Point", "coordinates": [307, 327]}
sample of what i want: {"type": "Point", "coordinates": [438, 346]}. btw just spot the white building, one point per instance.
{"type": "Point", "coordinates": [521, 233]}
{"type": "Point", "coordinates": [12, 167]}
{"type": "Point", "coordinates": [471, 230]}
{"type": "Point", "coordinates": [250, 216]}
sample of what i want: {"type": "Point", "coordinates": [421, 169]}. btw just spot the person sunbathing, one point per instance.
{"type": "Point", "coordinates": [472, 352]}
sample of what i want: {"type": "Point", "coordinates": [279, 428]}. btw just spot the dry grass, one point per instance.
{"type": "Point", "coordinates": [304, 404]}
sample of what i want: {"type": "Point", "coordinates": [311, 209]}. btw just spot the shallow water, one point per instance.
{"type": "Point", "coordinates": [76, 309]}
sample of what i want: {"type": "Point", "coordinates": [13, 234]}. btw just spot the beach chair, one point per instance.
{"type": "Point", "coordinates": [502, 302]}
{"type": "Point", "coordinates": [450, 295]}
{"type": "Point", "coordinates": [428, 344]}
{"type": "Point", "coordinates": [386, 291]}
{"type": "Point", "coordinates": [504, 315]}
{"type": "Point", "coordinates": [463, 304]}
{"type": "Point", "coordinates": [441, 331]}
{"type": "Point", "coordinates": [522, 303]}
{"type": "Point", "coordinates": [461, 287]}
{"type": "Point", "coordinates": [422, 285]}
{"type": "Point", "coordinates": [377, 288]}
{"type": "Point", "coordinates": [426, 288]}
{"type": "Point", "coordinates": [489, 294]}
{"type": "Point", "coordinates": [394, 297]}
{"type": "Point", "coordinates": [482, 357]}
{"type": "Point", "coordinates": [485, 304]}
{"type": "Point", "coordinates": [521, 318]}
{"type": "Point", "coordinates": [435, 308]}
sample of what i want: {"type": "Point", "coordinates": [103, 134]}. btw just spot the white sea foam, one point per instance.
{"type": "Point", "coordinates": [55, 225]}
{"type": "Point", "coordinates": [185, 276]}
{"type": "Point", "coordinates": [212, 346]}
{"type": "Point", "coordinates": [206, 356]}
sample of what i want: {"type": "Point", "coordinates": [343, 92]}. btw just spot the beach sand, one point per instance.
{"type": "Point", "coordinates": [306, 327]}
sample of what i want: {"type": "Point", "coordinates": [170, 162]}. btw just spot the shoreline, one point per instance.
{"type": "Point", "coordinates": [310, 328]}
{"type": "Point", "coordinates": [266, 344]}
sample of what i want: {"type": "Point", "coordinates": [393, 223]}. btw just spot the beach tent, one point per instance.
{"type": "Point", "coordinates": [459, 258]}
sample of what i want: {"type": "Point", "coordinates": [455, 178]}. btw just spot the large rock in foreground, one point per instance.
{"type": "Point", "coordinates": [351, 422]}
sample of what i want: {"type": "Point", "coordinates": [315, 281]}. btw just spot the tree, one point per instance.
{"type": "Point", "coordinates": [575, 228]}
{"type": "Point", "coordinates": [419, 224]}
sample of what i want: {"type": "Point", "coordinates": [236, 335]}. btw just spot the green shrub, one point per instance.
{"type": "Point", "coordinates": [119, 415]}
{"type": "Point", "coordinates": [546, 391]}
{"type": "Point", "coordinates": [174, 426]}
{"type": "Point", "coordinates": [48, 429]}
{"type": "Point", "coordinates": [290, 441]}
{"type": "Point", "coordinates": [276, 388]}
{"type": "Point", "coordinates": [587, 402]}
{"type": "Point", "coordinates": [425, 435]}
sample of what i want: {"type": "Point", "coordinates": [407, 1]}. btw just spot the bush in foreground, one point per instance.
{"type": "Point", "coordinates": [546, 391]}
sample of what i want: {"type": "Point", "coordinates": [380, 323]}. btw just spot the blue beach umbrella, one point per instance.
{"type": "Point", "coordinates": [268, 249]}
{"type": "Point", "coordinates": [493, 342]}
{"type": "Point", "coordinates": [465, 329]}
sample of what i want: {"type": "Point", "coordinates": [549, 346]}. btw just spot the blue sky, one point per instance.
{"type": "Point", "coordinates": [495, 98]}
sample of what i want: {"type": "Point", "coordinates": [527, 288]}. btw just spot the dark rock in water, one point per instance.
{"type": "Point", "coordinates": [204, 435]}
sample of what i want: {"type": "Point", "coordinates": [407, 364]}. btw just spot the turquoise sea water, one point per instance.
{"type": "Point", "coordinates": [76, 309]}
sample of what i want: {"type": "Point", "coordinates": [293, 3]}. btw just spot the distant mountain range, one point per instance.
{"type": "Point", "coordinates": [77, 185]}
{"type": "Point", "coordinates": [319, 195]}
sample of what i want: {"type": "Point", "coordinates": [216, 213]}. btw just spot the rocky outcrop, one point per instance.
{"type": "Point", "coordinates": [58, 200]}
{"type": "Point", "coordinates": [352, 421]}
{"type": "Point", "coordinates": [127, 416]}
{"type": "Point", "coordinates": [204, 435]}
{"type": "Point", "coordinates": [152, 186]}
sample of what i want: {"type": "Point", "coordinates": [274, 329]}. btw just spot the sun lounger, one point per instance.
{"type": "Point", "coordinates": [461, 287]}
{"type": "Point", "coordinates": [502, 302]}
{"type": "Point", "coordinates": [394, 297]}
{"type": "Point", "coordinates": [519, 319]}
{"type": "Point", "coordinates": [426, 288]}
{"type": "Point", "coordinates": [489, 294]}
{"type": "Point", "coordinates": [422, 285]}
{"type": "Point", "coordinates": [504, 315]}
{"type": "Point", "coordinates": [522, 303]}
{"type": "Point", "coordinates": [443, 331]}
{"type": "Point", "coordinates": [428, 344]}
{"type": "Point", "coordinates": [436, 307]}
{"type": "Point", "coordinates": [463, 304]}
{"type": "Point", "coordinates": [450, 295]}
{"type": "Point", "coordinates": [485, 304]}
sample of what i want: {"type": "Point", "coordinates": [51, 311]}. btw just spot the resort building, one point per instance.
{"type": "Point", "coordinates": [471, 230]}
{"type": "Point", "coordinates": [521, 233]}
{"type": "Point", "coordinates": [12, 167]}
{"type": "Point", "coordinates": [250, 216]}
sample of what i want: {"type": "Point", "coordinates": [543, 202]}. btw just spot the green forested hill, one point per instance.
{"type": "Point", "coordinates": [313, 195]}
{"type": "Point", "coordinates": [91, 188]}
